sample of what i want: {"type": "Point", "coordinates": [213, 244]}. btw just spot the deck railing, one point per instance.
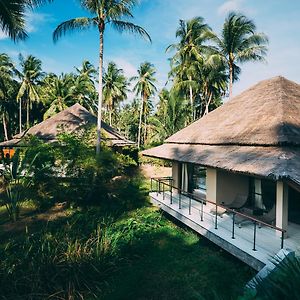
{"type": "Point", "coordinates": [165, 184]}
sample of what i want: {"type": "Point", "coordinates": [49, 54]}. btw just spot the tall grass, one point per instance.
{"type": "Point", "coordinates": [68, 260]}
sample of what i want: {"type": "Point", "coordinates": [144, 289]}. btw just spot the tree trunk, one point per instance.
{"type": "Point", "coordinates": [20, 116]}
{"type": "Point", "coordinates": [4, 127]}
{"type": "Point", "coordinates": [230, 79]}
{"type": "Point", "coordinates": [207, 104]}
{"type": "Point", "coordinates": [140, 124]}
{"type": "Point", "coordinates": [145, 131]}
{"type": "Point", "coordinates": [191, 99]}
{"type": "Point", "coordinates": [27, 114]}
{"type": "Point", "coordinates": [99, 117]}
{"type": "Point", "coordinates": [110, 117]}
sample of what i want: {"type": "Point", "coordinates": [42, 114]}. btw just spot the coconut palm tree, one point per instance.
{"type": "Point", "coordinates": [239, 42]}
{"type": "Point", "coordinates": [115, 88]}
{"type": "Point", "coordinates": [104, 13]}
{"type": "Point", "coordinates": [170, 116]}
{"type": "Point", "coordinates": [6, 78]}
{"type": "Point", "coordinates": [214, 85]}
{"type": "Point", "coordinates": [186, 63]}
{"type": "Point", "coordinates": [87, 70]}
{"type": "Point", "coordinates": [30, 74]}
{"type": "Point", "coordinates": [59, 93]}
{"type": "Point", "coordinates": [12, 16]}
{"type": "Point", "coordinates": [144, 88]}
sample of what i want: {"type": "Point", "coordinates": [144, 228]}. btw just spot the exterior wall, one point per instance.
{"type": "Point", "coordinates": [229, 185]}
{"type": "Point", "coordinates": [211, 184]}
{"type": "Point", "coordinates": [282, 200]}
{"type": "Point", "coordinates": [176, 174]}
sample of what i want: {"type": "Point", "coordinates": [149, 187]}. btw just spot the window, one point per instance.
{"type": "Point", "coordinates": [199, 178]}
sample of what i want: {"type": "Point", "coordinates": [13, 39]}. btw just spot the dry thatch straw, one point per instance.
{"type": "Point", "coordinates": [71, 120]}
{"type": "Point", "coordinates": [257, 132]}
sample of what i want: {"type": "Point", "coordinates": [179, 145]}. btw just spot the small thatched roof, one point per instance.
{"type": "Point", "coordinates": [70, 120]}
{"type": "Point", "coordinates": [257, 132]}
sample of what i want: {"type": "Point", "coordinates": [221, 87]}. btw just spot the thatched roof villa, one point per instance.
{"type": "Point", "coordinates": [71, 120]}
{"type": "Point", "coordinates": [247, 149]}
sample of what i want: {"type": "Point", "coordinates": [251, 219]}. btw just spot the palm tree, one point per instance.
{"type": "Point", "coordinates": [6, 74]}
{"type": "Point", "coordinates": [59, 92]}
{"type": "Point", "coordinates": [145, 88]}
{"type": "Point", "coordinates": [115, 88]}
{"type": "Point", "coordinates": [87, 70]}
{"type": "Point", "coordinates": [170, 116]}
{"type": "Point", "coordinates": [30, 74]}
{"type": "Point", "coordinates": [188, 59]}
{"type": "Point", "coordinates": [104, 13]}
{"type": "Point", "coordinates": [214, 85]}
{"type": "Point", "coordinates": [12, 16]}
{"type": "Point", "coordinates": [238, 43]}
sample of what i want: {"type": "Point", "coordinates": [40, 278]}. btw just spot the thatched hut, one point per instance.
{"type": "Point", "coordinates": [74, 119]}
{"type": "Point", "coordinates": [249, 146]}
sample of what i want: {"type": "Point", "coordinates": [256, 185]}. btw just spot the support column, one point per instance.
{"type": "Point", "coordinates": [176, 174]}
{"type": "Point", "coordinates": [282, 199]}
{"type": "Point", "coordinates": [211, 184]}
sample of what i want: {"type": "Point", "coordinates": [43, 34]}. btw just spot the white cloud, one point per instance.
{"type": "Point", "coordinates": [34, 20]}
{"type": "Point", "coordinates": [129, 69]}
{"type": "Point", "coordinates": [3, 35]}
{"type": "Point", "coordinates": [234, 5]}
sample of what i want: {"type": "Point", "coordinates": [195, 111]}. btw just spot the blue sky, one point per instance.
{"type": "Point", "coordinates": [279, 19]}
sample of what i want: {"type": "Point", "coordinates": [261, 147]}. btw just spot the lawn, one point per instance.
{"type": "Point", "coordinates": [139, 254]}
{"type": "Point", "coordinates": [175, 263]}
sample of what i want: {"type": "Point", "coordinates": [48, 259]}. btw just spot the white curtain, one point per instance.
{"type": "Point", "coordinates": [184, 178]}
{"type": "Point", "coordinates": [258, 194]}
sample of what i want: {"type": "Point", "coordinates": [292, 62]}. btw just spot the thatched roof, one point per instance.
{"type": "Point", "coordinates": [257, 132]}
{"type": "Point", "coordinates": [70, 120]}
{"type": "Point", "coordinates": [266, 114]}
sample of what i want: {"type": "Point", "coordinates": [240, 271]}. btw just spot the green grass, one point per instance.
{"type": "Point", "coordinates": [172, 263]}
{"type": "Point", "coordinates": [139, 254]}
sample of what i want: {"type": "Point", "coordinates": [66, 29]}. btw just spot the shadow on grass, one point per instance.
{"type": "Point", "coordinates": [172, 263]}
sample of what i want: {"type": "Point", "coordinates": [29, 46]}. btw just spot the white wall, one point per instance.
{"type": "Point", "coordinates": [175, 174]}
{"type": "Point", "coordinates": [229, 185]}
{"type": "Point", "coordinates": [211, 184]}
{"type": "Point", "coordinates": [282, 200]}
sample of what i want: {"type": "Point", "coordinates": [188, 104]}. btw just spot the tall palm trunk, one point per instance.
{"type": "Point", "coordinates": [140, 123]}
{"type": "Point", "coordinates": [110, 117]}
{"type": "Point", "coordinates": [4, 127]}
{"type": "Point", "coordinates": [230, 78]}
{"type": "Point", "coordinates": [20, 116]}
{"type": "Point", "coordinates": [208, 103]}
{"type": "Point", "coordinates": [191, 98]}
{"type": "Point", "coordinates": [27, 113]}
{"type": "Point", "coordinates": [99, 117]}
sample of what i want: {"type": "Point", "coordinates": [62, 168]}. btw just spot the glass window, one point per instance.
{"type": "Point", "coordinates": [199, 178]}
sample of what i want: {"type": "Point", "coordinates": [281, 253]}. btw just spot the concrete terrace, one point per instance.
{"type": "Point", "coordinates": [267, 241]}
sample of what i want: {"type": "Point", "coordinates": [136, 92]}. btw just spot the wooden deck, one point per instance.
{"type": "Point", "coordinates": [267, 240]}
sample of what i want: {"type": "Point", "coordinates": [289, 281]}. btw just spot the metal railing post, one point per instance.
{"type": "Point", "coordinates": [254, 238]}
{"type": "Point", "coordinates": [201, 210]}
{"type": "Point", "coordinates": [171, 199]}
{"type": "Point", "coordinates": [216, 220]}
{"type": "Point", "coordinates": [156, 187]}
{"type": "Point", "coordinates": [159, 182]}
{"type": "Point", "coordinates": [179, 198]}
{"type": "Point", "coordinates": [190, 205]}
{"type": "Point", "coordinates": [163, 190]}
{"type": "Point", "coordinates": [282, 239]}
{"type": "Point", "coordinates": [233, 221]}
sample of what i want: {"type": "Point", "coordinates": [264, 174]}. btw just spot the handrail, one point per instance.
{"type": "Point", "coordinates": [222, 206]}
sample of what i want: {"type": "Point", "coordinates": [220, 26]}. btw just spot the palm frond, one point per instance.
{"type": "Point", "coordinates": [130, 27]}
{"type": "Point", "coordinates": [72, 25]}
